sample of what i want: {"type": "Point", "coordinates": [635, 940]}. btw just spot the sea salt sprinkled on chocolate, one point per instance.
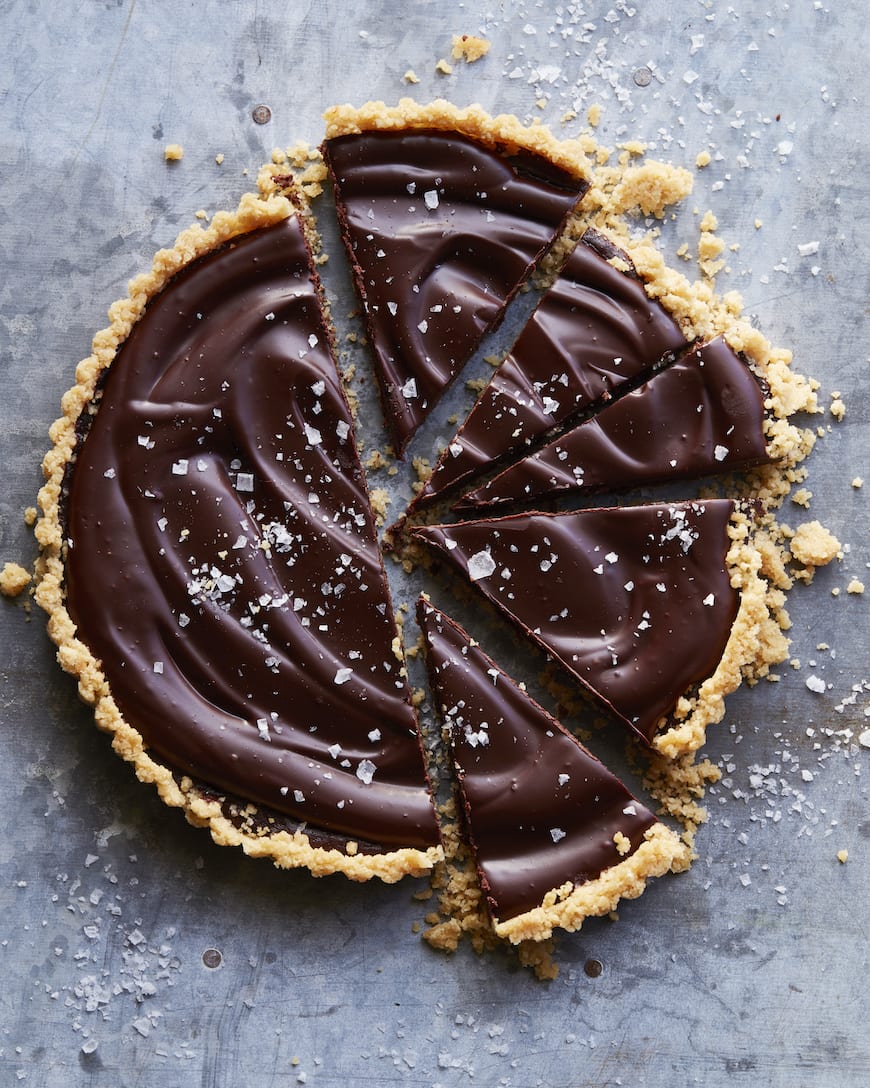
{"type": "Point", "coordinates": [179, 467]}
{"type": "Point", "coordinates": [720, 453]}
{"type": "Point", "coordinates": [480, 565]}
{"type": "Point", "coordinates": [343, 675]}
{"type": "Point", "coordinates": [557, 834]}
{"type": "Point", "coordinates": [709, 600]}
{"type": "Point", "coordinates": [365, 772]}
{"type": "Point", "coordinates": [430, 198]}
{"type": "Point", "coordinates": [409, 389]}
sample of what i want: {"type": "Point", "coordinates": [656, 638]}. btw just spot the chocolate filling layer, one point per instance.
{"type": "Point", "coordinates": [222, 560]}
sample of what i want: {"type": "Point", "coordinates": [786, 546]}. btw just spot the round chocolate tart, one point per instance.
{"type": "Point", "coordinates": [210, 561]}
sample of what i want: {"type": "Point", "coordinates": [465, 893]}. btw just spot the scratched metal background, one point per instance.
{"type": "Point", "coordinates": [749, 970]}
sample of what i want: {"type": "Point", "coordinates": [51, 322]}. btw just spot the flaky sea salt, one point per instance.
{"type": "Point", "coordinates": [365, 772]}
{"type": "Point", "coordinates": [343, 675]}
{"type": "Point", "coordinates": [480, 565]}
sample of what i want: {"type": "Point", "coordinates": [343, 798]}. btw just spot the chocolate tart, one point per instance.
{"type": "Point", "coordinates": [594, 332]}
{"type": "Point", "coordinates": [211, 566]}
{"type": "Point", "coordinates": [635, 602]}
{"type": "Point", "coordinates": [702, 415]}
{"type": "Point", "coordinates": [444, 214]}
{"type": "Point", "coordinates": [555, 836]}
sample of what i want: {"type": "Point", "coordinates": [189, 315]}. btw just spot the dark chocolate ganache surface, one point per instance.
{"type": "Point", "coordinates": [222, 560]}
{"type": "Point", "coordinates": [636, 601]}
{"type": "Point", "coordinates": [441, 231]}
{"type": "Point", "coordinates": [540, 809]}
{"type": "Point", "coordinates": [594, 330]}
{"type": "Point", "coordinates": [702, 415]}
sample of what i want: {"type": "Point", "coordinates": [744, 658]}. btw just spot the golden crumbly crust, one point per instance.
{"type": "Point", "coordinates": [286, 850]}
{"type": "Point", "coordinates": [503, 131]}
{"type": "Point", "coordinates": [569, 906]}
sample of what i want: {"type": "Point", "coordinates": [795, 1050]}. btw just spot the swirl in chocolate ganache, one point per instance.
{"type": "Point", "coordinates": [223, 563]}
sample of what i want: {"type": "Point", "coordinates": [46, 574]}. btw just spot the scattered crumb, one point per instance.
{"type": "Point", "coordinates": [468, 48]}
{"type": "Point", "coordinates": [815, 546]}
{"type": "Point", "coordinates": [802, 497]}
{"type": "Point", "coordinates": [411, 76]}
{"type": "Point", "coordinates": [201, 214]}
{"type": "Point", "coordinates": [444, 67]}
{"type": "Point", "coordinates": [219, 158]}
{"type": "Point", "coordinates": [703, 159]}
{"type": "Point", "coordinates": [173, 152]}
{"type": "Point", "coordinates": [855, 587]}
{"type": "Point", "coordinates": [380, 499]}
{"type": "Point", "coordinates": [857, 482]}
{"type": "Point", "coordinates": [593, 115]}
{"type": "Point", "coordinates": [838, 406]}
{"type": "Point", "coordinates": [31, 514]}
{"type": "Point", "coordinates": [759, 223]}
{"type": "Point", "coordinates": [13, 579]}
{"type": "Point", "coordinates": [842, 856]}
{"type": "Point", "coordinates": [710, 246]}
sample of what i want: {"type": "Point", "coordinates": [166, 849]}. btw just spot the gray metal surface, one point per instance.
{"type": "Point", "coordinates": [751, 969]}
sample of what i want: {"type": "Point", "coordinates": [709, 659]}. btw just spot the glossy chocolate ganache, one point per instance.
{"type": "Point", "coordinates": [539, 808]}
{"type": "Point", "coordinates": [222, 560]}
{"type": "Point", "coordinates": [441, 231]}
{"type": "Point", "coordinates": [635, 601]}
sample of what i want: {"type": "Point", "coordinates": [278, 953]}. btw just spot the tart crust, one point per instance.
{"type": "Point", "coordinates": [504, 131]}
{"type": "Point", "coordinates": [569, 906]}
{"type": "Point", "coordinates": [202, 808]}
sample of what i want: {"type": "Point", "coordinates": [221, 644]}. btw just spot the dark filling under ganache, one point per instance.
{"type": "Point", "coordinates": [702, 415]}
{"type": "Point", "coordinates": [441, 232]}
{"type": "Point", "coordinates": [594, 331]}
{"type": "Point", "coordinates": [222, 560]}
{"type": "Point", "coordinates": [636, 602]}
{"type": "Point", "coordinates": [540, 809]}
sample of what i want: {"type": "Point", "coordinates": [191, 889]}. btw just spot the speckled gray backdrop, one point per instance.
{"type": "Point", "coordinates": [748, 970]}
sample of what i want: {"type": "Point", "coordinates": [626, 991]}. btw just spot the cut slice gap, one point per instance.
{"type": "Point", "coordinates": [701, 415]}
{"type": "Point", "coordinates": [442, 222]}
{"type": "Point", "coordinates": [595, 334]}
{"type": "Point", "coordinates": [636, 603]}
{"type": "Point", "coordinates": [208, 547]}
{"type": "Point", "coordinates": [556, 837]}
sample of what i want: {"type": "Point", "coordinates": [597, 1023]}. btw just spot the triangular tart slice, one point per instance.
{"type": "Point", "coordinates": [702, 415]}
{"type": "Point", "coordinates": [555, 836]}
{"type": "Point", "coordinates": [444, 214]}
{"type": "Point", "coordinates": [594, 331]}
{"type": "Point", "coordinates": [635, 602]}
{"type": "Point", "coordinates": [212, 567]}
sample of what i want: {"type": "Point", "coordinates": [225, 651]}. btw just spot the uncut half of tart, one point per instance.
{"type": "Point", "coordinates": [211, 567]}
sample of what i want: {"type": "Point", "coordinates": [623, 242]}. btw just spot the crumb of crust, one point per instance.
{"type": "Point", "coordinates": [219, 158]}
{"type": "Point", "coordinates": [444, 67]}
{"type": "Point", "coordinates": [702, 159]}
{"type": "Point", "coordinates": [201, 214]}
{"type": "Point", "coordinates": [813, 546]}
{"type": "Point", "coordinates": [14, 579]}
{"type": "Point", "coordinates": [469, 48]}
{"type": "Point", "coordinates": [411, 76]}
{"type": "Point", "coordinates": [802, 497]}
{"type": "Point", "coordinates": [857, 483]}
{"type": "Point", "coordinates": [593, 115]}
{"type": "Point", "coordinates": [855, 586]}
{"type": "Point", "coordinates": [838, 407]}
{"type": "Point", "coordinates": [679, 786]}
{"type": "Point", "coordinates": [173, 153]}
{"type": "Point", "coordinates": [376, 461]}
{"type": "Point", "coordinates": [710, 246]}
{"type": "Point", "coordinates": [842, 856]}
{"type": "Point", "coordinates": [31, 514]}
